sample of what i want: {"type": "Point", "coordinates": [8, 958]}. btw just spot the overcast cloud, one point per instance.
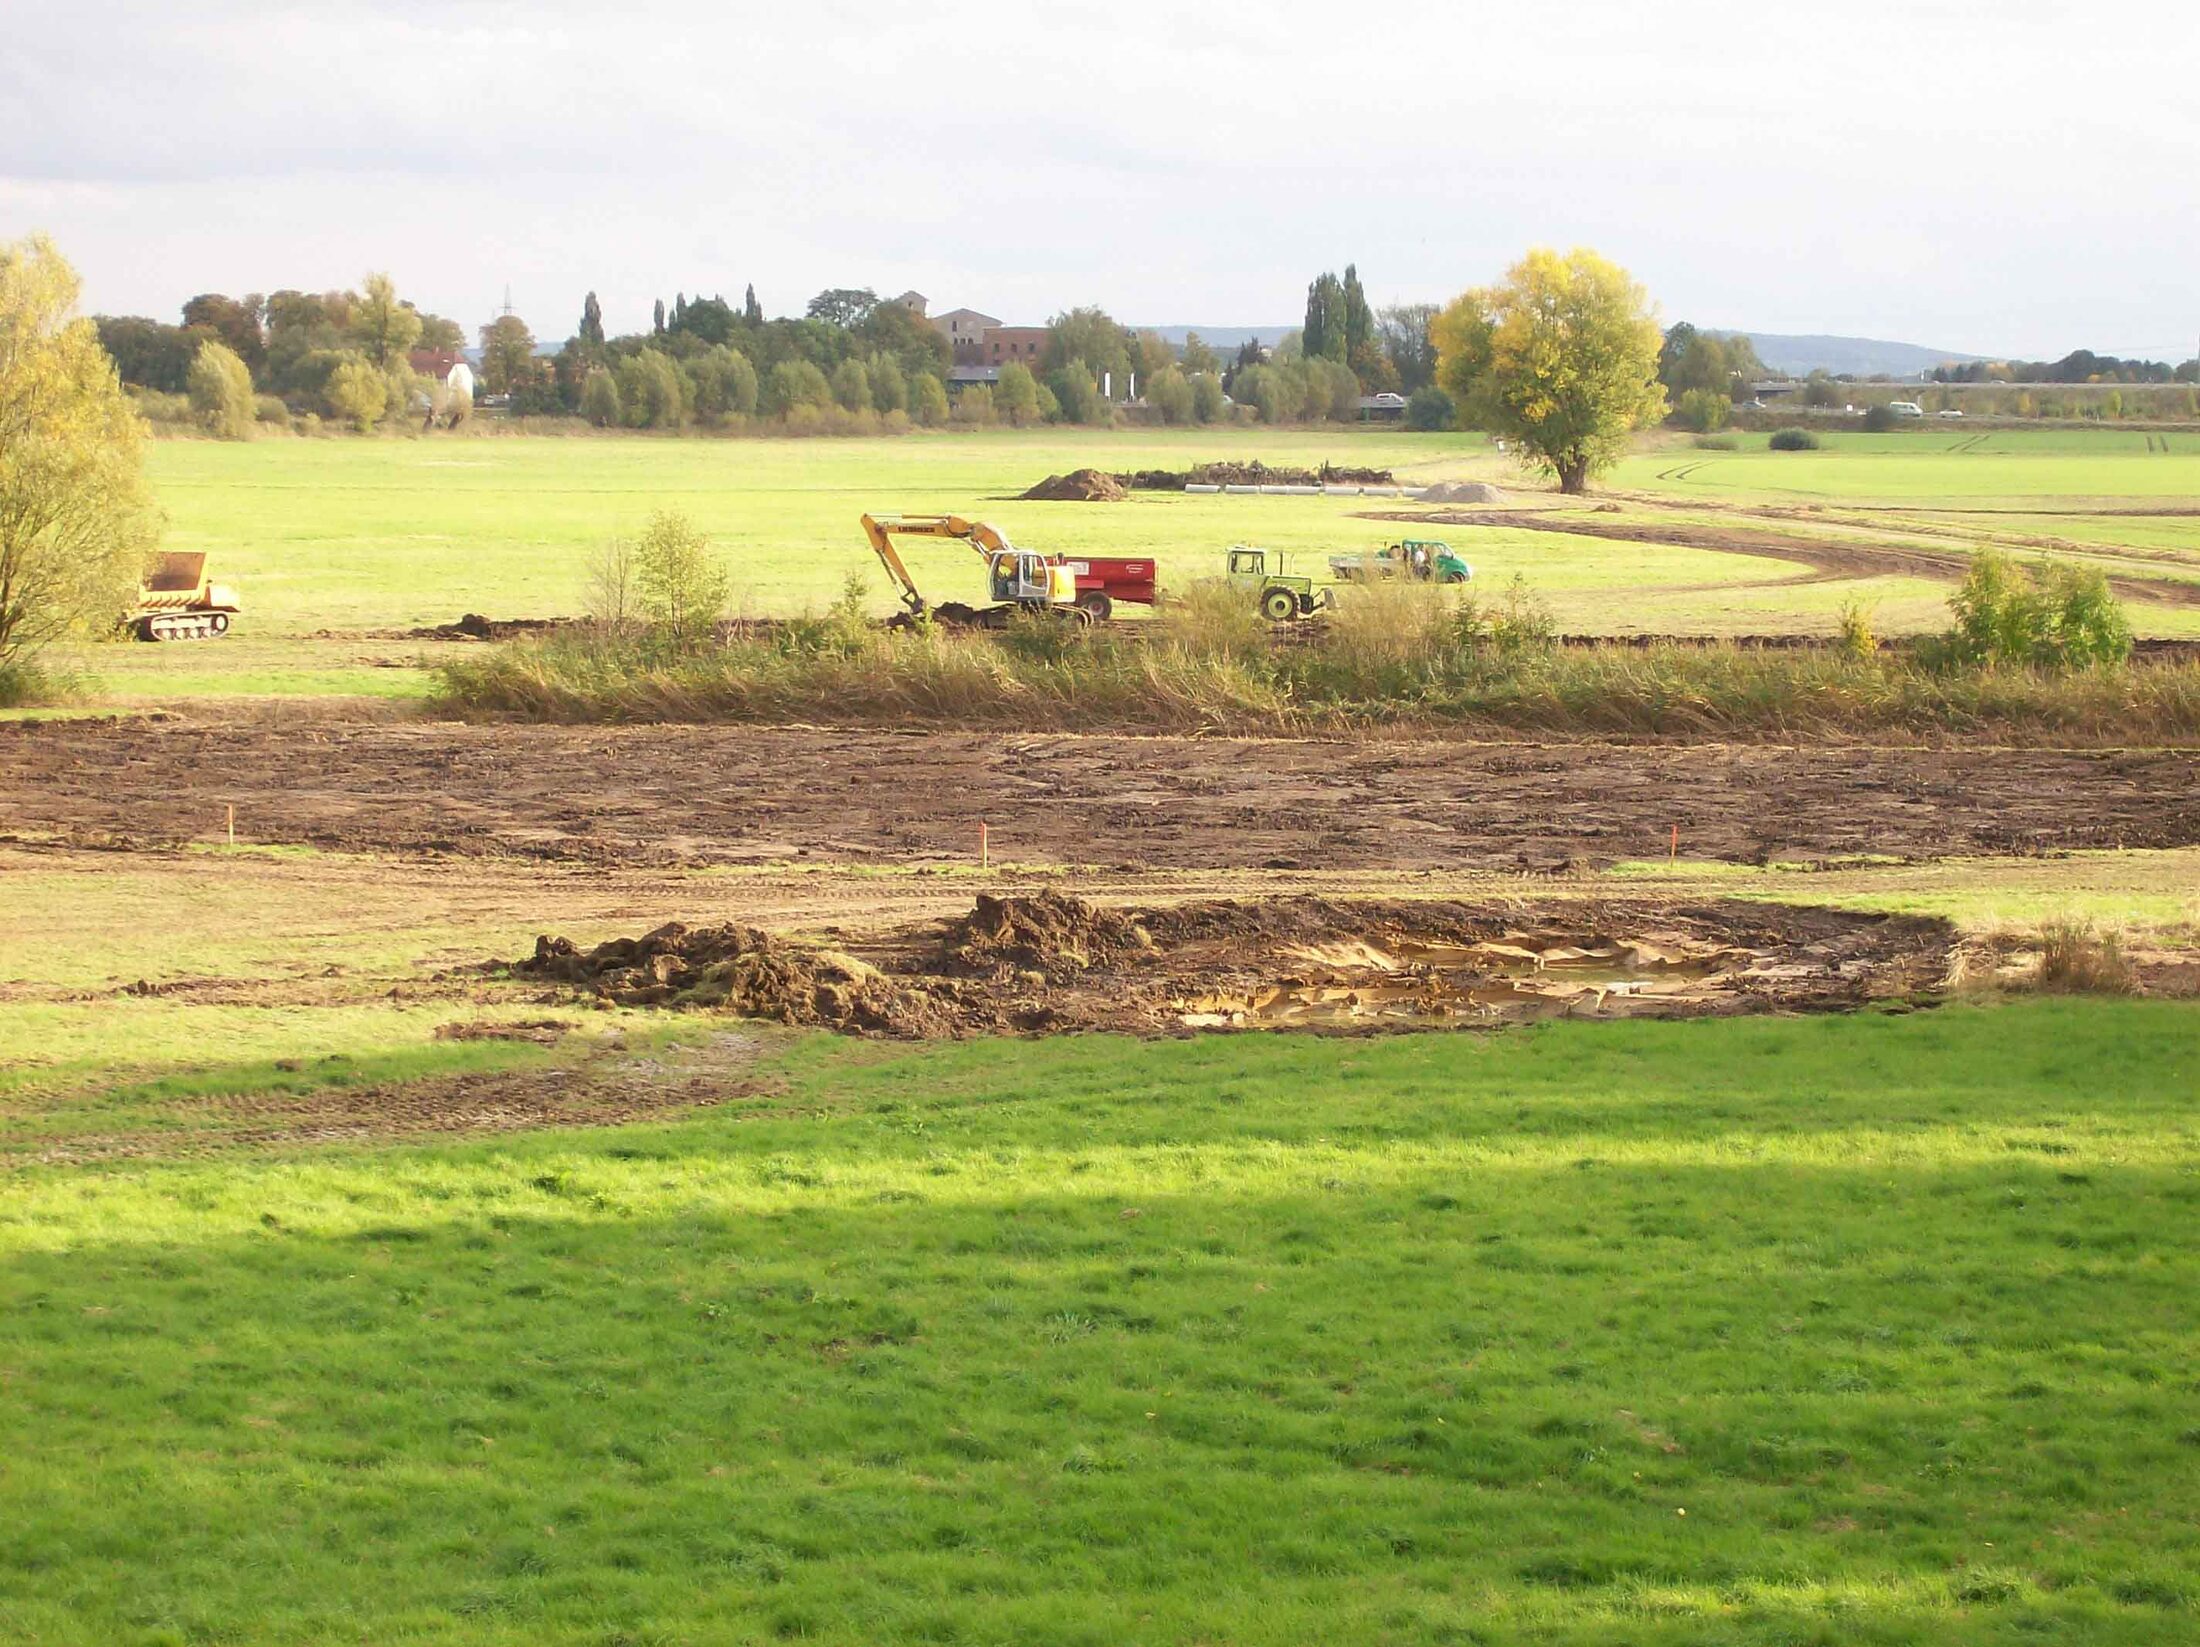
{"type": "Point", "coordinates": [1983, 175]}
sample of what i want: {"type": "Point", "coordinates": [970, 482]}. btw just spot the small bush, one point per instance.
{"type": "Point", "coordinates": [843, 632]}
{"type": "Point", "coordinates": [1521, 620]}
{"type": "Point", "coordinates": [269, 409]}
{"type": "Point", "coordinates": [1704, 410]}
{"type": "Point", "coordinates": [682, 587]}
{"type": "Point", "coordinates": [2078, 959]}
{"type": "Point", "coordinates": [23, 682]}
{"type": "Point", "coordinates": [1792, 440]}
{"type": "Point", "coordinates": [1879, 419]}
{"type": "Point", "coordinates": [2050, 615]}
{"type": "Point", "coordinates": [1716, 443]}
{"type": "Point", "coordinates": [1429, 409]}
{"type": "Point", "coordinates": [1856, 637]}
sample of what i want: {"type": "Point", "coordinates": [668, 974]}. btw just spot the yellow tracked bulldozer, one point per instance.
{"type": "Point", "coordinates": [177, 602]}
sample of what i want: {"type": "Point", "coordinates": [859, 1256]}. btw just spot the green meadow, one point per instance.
{"type": "Point", "coordinates": [1868, 1329]}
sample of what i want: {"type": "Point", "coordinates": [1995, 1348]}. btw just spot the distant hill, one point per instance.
{"type": "Point", "coordinates": [1220, 338]}
{"type": "Point", "coordinates": [1798, 355]}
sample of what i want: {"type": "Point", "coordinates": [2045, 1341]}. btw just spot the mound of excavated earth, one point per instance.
{"type": "Point", "coordinates": [1052, 964]}
{"type": "Point", "coordinates": [1078, 486]}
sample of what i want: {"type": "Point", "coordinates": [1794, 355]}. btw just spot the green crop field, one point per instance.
{"type": "Point", "coordinates": [340, 546]}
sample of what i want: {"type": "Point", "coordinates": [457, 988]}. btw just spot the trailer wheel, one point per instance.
{"type": "Point", "coordinates": [1279, 606]}
{"type": "Point", "coordinates": [1096, 605]}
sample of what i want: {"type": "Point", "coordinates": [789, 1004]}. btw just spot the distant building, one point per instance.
{"type": "Point", "coordinates": [435, 363]}
{"type": "Point", "coordinates": [1383, 408]}
{"type": "Point", "coordinates": [1007, 345]}
{"type": "Point", "coordinates": [961, 326]}
{"type": "Point", "coordinates": [914, 302]}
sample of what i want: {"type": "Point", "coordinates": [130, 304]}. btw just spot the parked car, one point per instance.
{"type": "Point", "coordinates": [1948, 411]}
{"type": "Point", "coordinates": [1905, 408]}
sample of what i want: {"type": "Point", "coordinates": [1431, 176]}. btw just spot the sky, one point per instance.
{"type": "Point", "coordinates": [2002, 177]}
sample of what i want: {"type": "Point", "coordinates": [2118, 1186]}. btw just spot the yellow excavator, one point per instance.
{"type": "Point", "coordinates": [1018, 580]}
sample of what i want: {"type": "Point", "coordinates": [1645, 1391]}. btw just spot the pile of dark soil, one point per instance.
{"type": "Point", "coordinates": [1049, 935]}
{"type": "Point", "coordinates": [1078, 486]}
{"type": "Point", "coordinates": [1048, 963]}
{"type": "Point", "coordinates": [739, 969]}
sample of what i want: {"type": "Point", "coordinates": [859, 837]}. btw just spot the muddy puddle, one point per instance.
{"type": "Point", "coordinates": [1049, 964]}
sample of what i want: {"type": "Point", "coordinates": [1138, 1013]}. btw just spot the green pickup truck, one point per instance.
{"type": "Point", "coordinates": [1425, 560]}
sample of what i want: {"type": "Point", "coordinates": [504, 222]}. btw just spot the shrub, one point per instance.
{"type": "Point", "coordinates": [1792, 440]}
{"type": "Point", "coordinates": [1703, 410]}
{"type": "Point", "coordinates": [1429, 409]}
{"type": "Point", "coordinates": [1015, 397]}
{"type": "Point", "coordinates": [927, 397]}
{"type": "Point", "coordinates": [1716, 443]}
{"type": "Point", "coordinates": [357, 392]}
{"type": "Point", "coordinates": [1856, 638]}
{"type": "Point", "coordinates": [1170, 395]}
{"type": "Point", "coordinates": [1521, 620]}
{"type": "Point", "coordinates": [2076, 959]}
{"type": "Point", "coordinates": [974, 406]}
{"type": "Point", "coordinates": [852, 386]}
{"type": "Point", "coordinates": [2051, 615]}
{"type": "Point", "coordinates": [1077, 394]}
{"type": "Point", "coordinates": [269, 409]}
{"type": "Point", "coordinates": [681, 587]}
{"type": "Point", "coordinates": [1208, 401]}
{"type": "Point", "coordinates": [796, 384]}
{"type": "Point", "coordinates": [1879, 418]}
{"type": "Point", "coordinates": [600, 400]}
{"type": "Point", "coordinates": [220, 386]}
{"type": "Point", "coordinates": [157, 406]}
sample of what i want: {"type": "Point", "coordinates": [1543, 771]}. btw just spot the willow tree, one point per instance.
{"type": "Point", "coordinates": [76, 526]}
{"type": "Point", "coordinates": [1561, 357]}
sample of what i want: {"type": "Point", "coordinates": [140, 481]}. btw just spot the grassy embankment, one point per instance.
{"type": "Point", "coordinates": [1847, 1329]}
{"type": "Point", "coordinates": [1400, 657]}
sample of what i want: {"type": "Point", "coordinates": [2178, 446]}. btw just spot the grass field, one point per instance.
{"type": "Point", "coordinates": [1837, 1330]}
{"type": "Point", "coordinates": [346, 538]}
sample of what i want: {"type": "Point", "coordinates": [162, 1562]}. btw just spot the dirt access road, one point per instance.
{"type": "Point", "coordinates": [677, 795]}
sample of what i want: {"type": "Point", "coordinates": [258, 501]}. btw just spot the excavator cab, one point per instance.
{"type": "Point", "coordinates": [1027, 578]}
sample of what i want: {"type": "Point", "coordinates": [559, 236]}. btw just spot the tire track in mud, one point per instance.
{"type": "Point", "coordinates": [1828, 560]}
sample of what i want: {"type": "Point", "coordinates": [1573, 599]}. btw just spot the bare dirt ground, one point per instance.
{"type": "Point", "coordinates": [1046, 963]}
{"type": "Point", "coordinates": [636, 796]}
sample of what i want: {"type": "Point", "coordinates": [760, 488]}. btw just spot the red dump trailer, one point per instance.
{"type": "Point", "coordinates": [1102, 580]}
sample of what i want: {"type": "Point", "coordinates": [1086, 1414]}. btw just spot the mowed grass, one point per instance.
{"type": "Point", "coordinates": [1867, 1329]}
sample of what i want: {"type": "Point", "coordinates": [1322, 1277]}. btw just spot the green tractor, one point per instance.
{"type": "Point", "coordinates": [1279, 596]}
{"type": "Point", "coordinates": [1424, 560]}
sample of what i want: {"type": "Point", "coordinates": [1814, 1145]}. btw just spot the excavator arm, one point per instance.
{"type": "Point", "coordinates": [881, 530]}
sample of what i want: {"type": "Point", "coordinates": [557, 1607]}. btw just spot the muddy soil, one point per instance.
{"type": "Point", "coordinates": [1049, 964]}
{"type": "Point", "coordinates": [1078, 486]}
{"type": "Point", "coordinates": [686, 795]}
{"type": "Point", "coordinates": [1826, 560]}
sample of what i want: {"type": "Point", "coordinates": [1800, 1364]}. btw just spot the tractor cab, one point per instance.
{"type": "Point", "coordinates": [1248, 563]}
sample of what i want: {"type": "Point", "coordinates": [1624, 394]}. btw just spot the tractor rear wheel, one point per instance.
{"type": "Point", "coordinates": [1279, 606]}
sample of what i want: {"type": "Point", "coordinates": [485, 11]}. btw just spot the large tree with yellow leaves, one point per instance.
{"type": "Point", "coordinates": [1561, 356]}
{"type": "Point", "coordinates": [76, 527]}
